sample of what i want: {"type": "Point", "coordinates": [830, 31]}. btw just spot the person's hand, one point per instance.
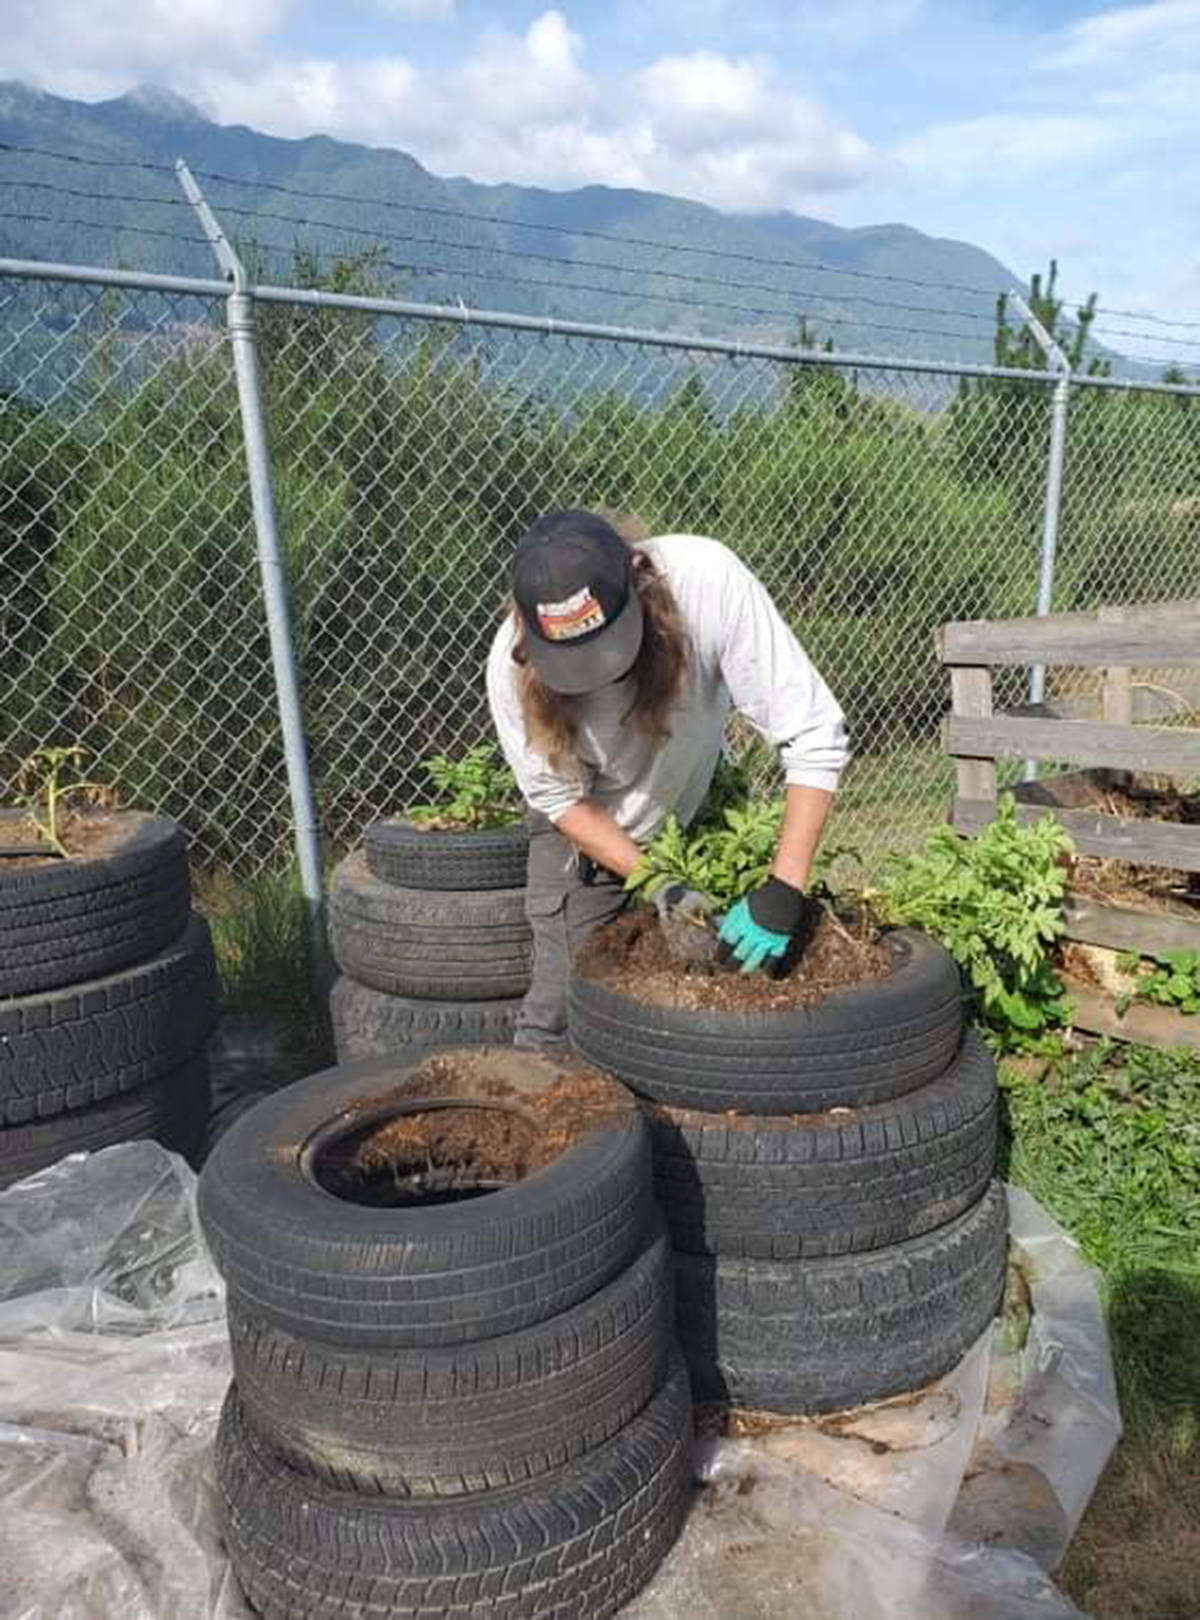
{"type": "Point", "coordinates": [676, 900]}
{"type": "Point", "coordinates": [683, 915]}
{"type": "Point", "coordinates": [764, 926]}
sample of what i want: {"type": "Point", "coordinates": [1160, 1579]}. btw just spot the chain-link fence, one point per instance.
{"type": "Point", "coordinates": [409, 449]}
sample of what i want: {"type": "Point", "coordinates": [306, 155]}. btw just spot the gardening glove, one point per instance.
{"type": "Point", "coordinates": [764, 925]}
{"type": "Point", "coordinates": [683, 915]}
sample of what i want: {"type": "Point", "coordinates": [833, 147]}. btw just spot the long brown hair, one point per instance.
{"type": "Point", "coordinates": [552, 718]}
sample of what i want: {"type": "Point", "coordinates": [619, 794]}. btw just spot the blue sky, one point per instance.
{"type": "Point", "coordinates": [1032, 130]}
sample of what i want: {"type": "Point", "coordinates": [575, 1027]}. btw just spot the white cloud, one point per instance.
{"type": "Point", "coordinates": [362, 99]}
{"type": "Point", "coordinates": [534, 79]}
{"type": "Point", "coordinates": [102, 47]}
{"type": "Point", "coordinates": [752, 142]}
{"type": "Point", "coordinates": [521, 107]}
{"type": "Point", "coordinates": [1129, 34]}
{"type": "Point", "coordinates": [1006, 146]}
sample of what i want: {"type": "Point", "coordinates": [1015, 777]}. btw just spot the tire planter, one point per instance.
{"type": "Point", "coordinates": [71, 1048]}
{"type": "Point", "coordinates": [765, 1187]}
{"type": "Point", "coordinates": [468, 1418]}
{"type": "Point", "coordinates": [454, 946]}
{"type": "Point", "coordinates": [428, 858]}
{"type": "Point", "coordinates": [430, 1274]}
{"type": "Point", "coordinates": [580, 1542]}
{"type": "Point", "coordinates": [822, 1335]}
{"type": "Point", "coordinates": [82, 918]}
{"type": "Point", "coordinates": [860, 1045]}
{"type": "Point", "coordinates": [369, 1022]}
{"type": "Point", "coordinates": [172, 1110]}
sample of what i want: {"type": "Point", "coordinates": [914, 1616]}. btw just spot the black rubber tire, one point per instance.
{"type": "Point", "coordinates": [822, 1335]}
{"type": "Point", "coordinates": [859, 1045]}
{"type": "Point", "coordinates": [67, 1049]}
{"type": "Point", "coordinates": [370, 1023]}
{"type": "Point", "coordinates": [172, 1110]}
{"type": "Point", "coordinates": [579, 1542]}
{"type": "Point", "coordinates": [446, 1274]}
{"type": "Point", "coordinates": [458, 946]}
{"type": "Point", "coordinates": [81, 919]}
{"type": "Point", "coordinates": [770, 1187]}
{"type": "Point", "coordinates": [472, 1418]}
{"type": "Point", "coordinates": [426, 858]}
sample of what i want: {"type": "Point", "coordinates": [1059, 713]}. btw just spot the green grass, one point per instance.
{"type": "Point", "coordinates": [264, 958]}
{"type": "Point", "coordinates": [1109, 1142]}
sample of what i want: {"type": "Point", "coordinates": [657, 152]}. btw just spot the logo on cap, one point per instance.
{"type": "Point", "coordinates": [577, 615]}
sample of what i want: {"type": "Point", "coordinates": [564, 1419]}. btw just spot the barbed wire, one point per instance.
{"type": "Point", "coordinates": [524, 254]}
{"type": "Point", "coordinates": [815, 311]}
{"type": "Point", "coordinates": [450, 273]}
{"type": "Point", "coordinates": [100, 225]}
{"type": "Point", "coordinates": [812, 265]}
{"type": "Point", "coordinates": [459, 214]}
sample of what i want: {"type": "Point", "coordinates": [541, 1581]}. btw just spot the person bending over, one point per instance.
{"type": "Point", "coordinates": [609, 685]}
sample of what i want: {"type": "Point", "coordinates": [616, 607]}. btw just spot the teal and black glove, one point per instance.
{"type": "Point", "coordinates": [766, 928]}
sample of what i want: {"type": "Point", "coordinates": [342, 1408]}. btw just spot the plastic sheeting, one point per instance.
{"type": "Point", "coordinates": [949, 1504]}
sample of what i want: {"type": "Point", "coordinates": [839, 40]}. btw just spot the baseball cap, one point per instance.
{"type": "Point", "coordinates": [573, 584]}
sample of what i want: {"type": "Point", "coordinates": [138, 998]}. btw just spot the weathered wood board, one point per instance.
{"type": "Point", "coordinates": [1156, 634]}
{"type": "Point", "coordinates": [1159, 750]}
{"type": "Point", "coordinates": [1157, 843]}
{"type": "Point", "coordinates": [1096, 1014]}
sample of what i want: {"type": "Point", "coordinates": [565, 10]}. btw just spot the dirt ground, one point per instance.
{"type": "Point", "coordinates": [85, 835]}
{"type": "Point", "coordinates": [631, 956]}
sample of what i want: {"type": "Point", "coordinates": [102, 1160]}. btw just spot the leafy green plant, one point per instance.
{"type": "Point", "coordinates": [995, 903]}
{"type": "Point", "coordinates": [474, 791]}
{"type": "Point", "coordinates": [1171, 978]}
{"type": "Point", "coordinates": [724, 862]}
{"type": "Point", "coordinates": [731, 788]}
{"type": "Point", "coordinates": [49, 788]}
{"type": "Point", "coordinates": [727, 858]}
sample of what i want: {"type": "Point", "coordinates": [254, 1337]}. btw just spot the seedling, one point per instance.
{"type": "Point", "coordinates": [474, 792]}
{"type": "Point", "coordinates": [48, 793]}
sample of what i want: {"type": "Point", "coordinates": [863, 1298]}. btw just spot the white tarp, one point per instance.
{"type": "Point", "coordinates": [950, 1505]}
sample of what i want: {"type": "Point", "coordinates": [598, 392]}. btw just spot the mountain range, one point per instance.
{"type": "Point", "coordinates": [598, 254]}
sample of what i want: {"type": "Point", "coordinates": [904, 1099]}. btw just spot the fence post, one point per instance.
{"type": "Point", "coordinates": [1053, 498]}
{"type": "Point", "coordinates": [1054, 471]}
{"type": "Point", "coordinates": [240, 316]}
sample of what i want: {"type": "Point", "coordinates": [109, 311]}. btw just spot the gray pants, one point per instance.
{"type": "Point", "coordinates": [563, 912]}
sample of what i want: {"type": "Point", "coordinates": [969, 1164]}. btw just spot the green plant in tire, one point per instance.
{"type": "Point", "coordinates": [49, 789]}
{"type": "Point", "coordinates": [733, 856]}
{"type": "Point", "coordinates": [996, 903]}
{"type": "Point", "coordinates": [475, 791]}
{"type": "Point", "coordinates": [723, 862]}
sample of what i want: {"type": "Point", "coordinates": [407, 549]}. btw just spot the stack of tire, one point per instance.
{"type": "Point", "coordinates": [467, 1408]}
{"type": "Point", "coordinates": [827, 1173]}
{"type": "Point", "coordinates": [107, 997]}
{"type": "Point", "coordinates": [428, 928]}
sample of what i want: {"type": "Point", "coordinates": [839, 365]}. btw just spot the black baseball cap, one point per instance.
{"type": "Point", "coordinates": [574, 589]}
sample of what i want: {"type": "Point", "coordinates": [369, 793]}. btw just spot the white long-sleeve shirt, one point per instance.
{"type": "Point", "coordinates": [741, 654]}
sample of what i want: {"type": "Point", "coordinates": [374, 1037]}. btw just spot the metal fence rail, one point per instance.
{"type": "Point", "coordinates": [408, 448]}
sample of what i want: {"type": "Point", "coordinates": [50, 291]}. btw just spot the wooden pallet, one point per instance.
{"type": "Point", "coordinates": [1114, 641]}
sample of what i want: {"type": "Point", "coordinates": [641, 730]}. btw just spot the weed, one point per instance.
{"type": "Point", "coordinates": [1171, 978]}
